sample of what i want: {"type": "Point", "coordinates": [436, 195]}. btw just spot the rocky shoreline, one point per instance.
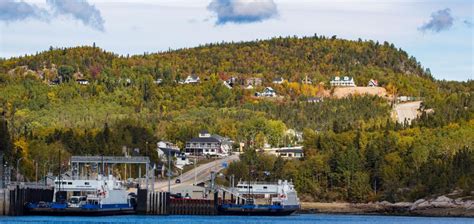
{"type": "Point", "coordinates": [440, 207]}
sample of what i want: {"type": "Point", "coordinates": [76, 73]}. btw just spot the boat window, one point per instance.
{"type": "Point", "coordinates": [86, 183]}
{"type": "Point", "coordinates": [69, 183]}
{"type": "Point", "coordinates": [265, 187]}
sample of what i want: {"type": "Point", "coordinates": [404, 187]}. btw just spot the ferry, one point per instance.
{"type": "Point", "coordinates": [103, 196]}
{"type": "Point", "coordinates": [263, 198]}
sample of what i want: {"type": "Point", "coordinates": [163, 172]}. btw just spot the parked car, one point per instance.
{"type": "Point", "coordinates": [176, 196]}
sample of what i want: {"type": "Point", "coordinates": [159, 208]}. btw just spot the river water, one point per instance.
{"type": "Point", "coordinates": [294, 219]}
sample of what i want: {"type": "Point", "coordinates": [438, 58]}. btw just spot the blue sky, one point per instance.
{"type": "Point", "coordinates": [439, 33]}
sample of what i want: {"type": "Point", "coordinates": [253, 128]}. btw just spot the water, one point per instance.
{"type": "Point", "coordinates": [294, 219]}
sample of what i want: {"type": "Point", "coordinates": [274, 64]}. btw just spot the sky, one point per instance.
{"type": "Point", "coordinates": [439, 33]}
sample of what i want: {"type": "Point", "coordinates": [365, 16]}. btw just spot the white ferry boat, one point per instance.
{"type": "Point", "coordinates": [263, 198]}
{"type": "Point", "coordinates": [104, 195]}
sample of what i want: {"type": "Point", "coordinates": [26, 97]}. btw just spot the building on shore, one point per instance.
{"type": "Point", "coordinates": [291, 152]}
{"type": "Point", "coordinates": [208, 145]}
{"type": "Point", "coordinates": [168, 149]}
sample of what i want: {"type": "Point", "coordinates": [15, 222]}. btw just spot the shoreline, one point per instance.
{"type": "Point", "coordinates": [384, 208]}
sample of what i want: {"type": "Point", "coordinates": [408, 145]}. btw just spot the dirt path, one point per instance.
{"type": "Point", "coordinates": [408, 111]}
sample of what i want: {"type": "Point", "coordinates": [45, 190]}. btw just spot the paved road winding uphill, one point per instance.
{"type": "Point", "coordinates": [202, 173]}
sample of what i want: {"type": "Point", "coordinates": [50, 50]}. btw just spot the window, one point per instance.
{"type": "Point", "coordinates": [86, 183]}
{"type": "Point", "coordinates": [265, 187]}
{"type": "Point", "coordinates": [69, 183]}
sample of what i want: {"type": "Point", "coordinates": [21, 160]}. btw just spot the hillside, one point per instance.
{"type": "Point", "coordinates": [292, 58]}
{"type": "Point", "coordinates": [353, 149]}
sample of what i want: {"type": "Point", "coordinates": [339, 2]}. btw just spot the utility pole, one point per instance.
{"type": "Point", "coordinates": [59, 173]}
{"type": "Point", "coordinates": [36, 172]}
{"type": "Point", "coordinates": [195, 163]}
{"type": "Point", "coordinates": [18, 169]}
{"type": "Point", "coordinates": [169, 171]}
{"type": "Point", "coordinates": [146, 148]}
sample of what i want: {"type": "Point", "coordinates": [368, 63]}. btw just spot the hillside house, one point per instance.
{"type": "Point", "coordinates": [208, 145]}
{"type": "Point", "coordinates": [314, 99]}
{"type": "Point", "coordinates": [267, 92]}
{"type": "Point", "coordinates": [306, 81]}
{"type": "Point", "coordinates": [253, 82]}
{"type": "Point", "coordinates": [278, 80]}
{"type": "Point", "coordinates": [292, 152]}
{"type": "Point", "coordinates": [82, 81]}
{"type": "Point", "coordinates": [342, 82]}
{"type": "Point", "coordinates": [192, 79]}
{"type": "Point", "coordinates": [373, 83]}
{"type": "Point", "coordinates": [249, 87]}
{"type": "Point", "coordinates": [230, 83]}
{"type": "Point", "coordinates": [158, 81]}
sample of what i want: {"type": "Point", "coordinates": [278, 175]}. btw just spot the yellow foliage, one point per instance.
{"type": "Point", "coordinates": [22, 145]}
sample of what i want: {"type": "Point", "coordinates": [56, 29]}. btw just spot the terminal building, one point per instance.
{"type": "Point", "coordinates": [208, 145]}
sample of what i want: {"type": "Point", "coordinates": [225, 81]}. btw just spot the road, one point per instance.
{"type": "Point", "coordinates": [202, 173]}
{"type": "Point", "coordinates": [408, 111]}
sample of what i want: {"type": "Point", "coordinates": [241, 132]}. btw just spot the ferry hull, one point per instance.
{"type": "Point", "coordinates": [256, 211]}
{"type": "Point", "coordinates": [78, 212]}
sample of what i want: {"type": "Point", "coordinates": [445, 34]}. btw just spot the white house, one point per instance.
{"type": "Point", "coordinates": [158, 81]}
{"type": "Point", "coordinates": [314, 99]}
{"type": "Point", "coordinates": [191, 79]}
{"type": "Point", "coordinates": [226, 84]}
{"type": "Point", "coordinates": [209, 145]}
{"type": "Point", "coordinates": [249, 87]}
{"type": "Point", "coordinates": [82, 81]}
{"type": "Point", "coordinates": [294, 152]}
{"type": "Point", "coordinates": [345, 81]}
{"type": "Point", "coordinates": [373, 83]}
{"type": "Point", "coordinates": [278, 80]}
{"type": "Point", "coordinates": [267, 92]}
{"type": "Point", "coordinates": [307, 81]}
{"type": "Point", "coordinates": [166, 149]}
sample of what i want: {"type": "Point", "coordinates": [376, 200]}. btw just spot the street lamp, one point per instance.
{"type": "Point", "coordinates": [18, 169]}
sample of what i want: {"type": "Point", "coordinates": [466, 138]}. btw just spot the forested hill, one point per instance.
{"type": "Point", "coordinates": [353, 149]}
{"type": "Point", "coordinates": [292, 58]}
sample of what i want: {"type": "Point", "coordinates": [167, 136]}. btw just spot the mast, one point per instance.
{"type": "Point", "coordinates": [59, 177]}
